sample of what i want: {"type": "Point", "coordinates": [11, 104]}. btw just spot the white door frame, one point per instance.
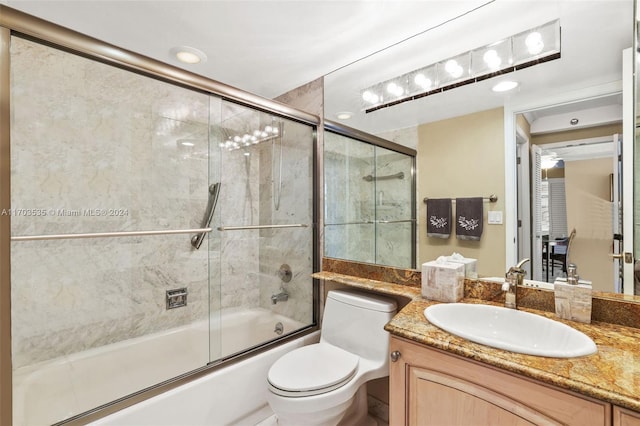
{"type": "Point", "coordinates": [511, 110]}
{"type": "Point", "coordinates": [628, 142]}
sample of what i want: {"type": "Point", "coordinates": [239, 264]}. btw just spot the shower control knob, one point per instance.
{"type": "Point", "coordinates": [395, 356]}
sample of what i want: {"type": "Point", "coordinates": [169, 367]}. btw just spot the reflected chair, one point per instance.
{"type": "Point", "coordinates": [560, 252]}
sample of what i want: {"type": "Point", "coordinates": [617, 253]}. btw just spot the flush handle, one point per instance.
{"type": "Point", "coordinates": [395, 356]}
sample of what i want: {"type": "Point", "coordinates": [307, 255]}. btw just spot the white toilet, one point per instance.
{"type": "Point", "coordinates": [325, 383]}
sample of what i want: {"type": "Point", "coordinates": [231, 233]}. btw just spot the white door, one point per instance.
{"type": "Point", "coordinates": [536, 214]}
{"type": "Point", "coordinates": [617, 241]}
{"type": "Point", "coordinates": [524, 204]}
{"type": "Point", "coordinates": [628, 170]}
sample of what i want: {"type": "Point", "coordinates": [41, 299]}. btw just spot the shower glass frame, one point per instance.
{"type": "Point", "coordinates": [14, 23]}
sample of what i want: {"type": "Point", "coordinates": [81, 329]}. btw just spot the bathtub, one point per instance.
{"type": "Point", "coordinates": [61, 388]}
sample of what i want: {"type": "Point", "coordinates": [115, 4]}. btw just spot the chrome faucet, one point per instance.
{"type": "Point", "coordinates": [513, 278]}
{"type": "Point", "coordinates": [283, 296]}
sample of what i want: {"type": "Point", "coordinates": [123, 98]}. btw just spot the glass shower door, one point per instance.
{"type": "Point", "coordinates": [262, 243]}
{"type": "Point", "coordinates": [109, 175]}
{"type": "Point", "coordinates": [350, 198]}
{"type": "Point", "coordinates": [394, 212]}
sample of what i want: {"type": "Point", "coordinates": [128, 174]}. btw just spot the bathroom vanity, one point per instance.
{"type": "Point", "coordinates": [429, 386]}
{"type": "Point", "coordinates": [435, 375]}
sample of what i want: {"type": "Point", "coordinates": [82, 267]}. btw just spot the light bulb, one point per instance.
{"type": "Point", "coordinates": [453, 68]}
{"type": "Point", "coordinates": [237, 138]}
{"type": "Point", "coordinates": [369, 96]}
{"type": "Point", "coordinates": [394, 89]}
{"type": "Point", "coordinates": [422, 81]}
{"type": "Point", "coordinates": [534, 43]}
{"type": "Point", "coordinates": [256, 133]}
{"type": "Point", "coordinates": [492, 59]}
{"type": "Point", "coordinates": [268, 129]}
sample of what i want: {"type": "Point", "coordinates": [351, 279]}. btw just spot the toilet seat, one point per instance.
{"type": "Point", "coordinates": [312, 370]}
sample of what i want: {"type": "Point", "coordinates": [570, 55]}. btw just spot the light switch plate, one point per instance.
{"type": "Point", "coordinates": [495, 217]}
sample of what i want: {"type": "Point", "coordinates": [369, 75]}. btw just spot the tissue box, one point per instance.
{"type": "Point", "coordinates": [470, 265]}
{"type": "Point", "coordinates": [443, 281]}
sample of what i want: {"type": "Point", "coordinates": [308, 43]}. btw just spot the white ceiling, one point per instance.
{"type": "Point", "coordinates": [271, 46]}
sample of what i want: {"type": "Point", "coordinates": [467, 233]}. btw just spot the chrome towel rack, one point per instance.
{"type": "Point", "coordinates": [491, 199]}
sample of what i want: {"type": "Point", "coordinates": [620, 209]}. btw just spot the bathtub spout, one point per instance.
{"type": "Point", "coordinates": [283, 296]}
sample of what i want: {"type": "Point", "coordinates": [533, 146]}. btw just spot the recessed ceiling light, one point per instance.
{"type": "Point", "coordinates": [189, 55]}
{"type": "Point", "coordinates": [504, 86]}
{"type": "Point", "coordinates": [345, 115]}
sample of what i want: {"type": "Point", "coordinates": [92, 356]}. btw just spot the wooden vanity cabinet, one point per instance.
{"type": "Point", "coordinates": [624, 417]}
{"type": "Point", "coordinates": [431, 387]}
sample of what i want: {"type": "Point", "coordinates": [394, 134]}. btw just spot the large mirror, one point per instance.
{"type": "Point", "coordinates": [473, 141]}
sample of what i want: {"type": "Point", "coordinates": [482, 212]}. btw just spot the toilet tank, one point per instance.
{"type": "Point", "coordinates": [354, 321]}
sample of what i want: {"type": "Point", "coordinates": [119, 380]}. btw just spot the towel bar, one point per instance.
{"type": "Point", "coordinates": [491, 199]}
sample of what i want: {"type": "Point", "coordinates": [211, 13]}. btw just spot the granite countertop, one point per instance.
{"type": "Point", "coordinates": [611, 375]}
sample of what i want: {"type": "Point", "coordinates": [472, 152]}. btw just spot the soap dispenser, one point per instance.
{"type": "Point", "coordinates": [573, 297]}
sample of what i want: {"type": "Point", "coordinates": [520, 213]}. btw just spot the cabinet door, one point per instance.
{"type": "Point", "coordinates": [439, 399]}
{"type": "Point", "coordinates": [430, 387]}
{"type": "Point", "coordinates": [624, 417]}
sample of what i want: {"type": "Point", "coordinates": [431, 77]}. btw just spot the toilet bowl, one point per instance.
{"type": "Point", "coordinates": [325, 383]}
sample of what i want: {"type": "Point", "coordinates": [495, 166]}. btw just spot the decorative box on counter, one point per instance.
{"type": "Point", "coordinates": [470, 265]}
{"type": "Point", "coordinates": [443, 281]}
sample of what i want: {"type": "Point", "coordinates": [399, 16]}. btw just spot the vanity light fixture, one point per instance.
{"type": "Point", "coordinates": [188, 55]}
{"type": "Point", "coordinates": [522, 50]}
{"type": "Point", "coordinates": [248, 139]}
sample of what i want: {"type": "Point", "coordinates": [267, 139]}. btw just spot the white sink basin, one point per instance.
{"type": "Point", "coordinates": [510, 329]}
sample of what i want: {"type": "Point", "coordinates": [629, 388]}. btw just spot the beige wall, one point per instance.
{"type": "Point", "coordinates": [589, 212]}
{"type": "Point", "coordinates": [463, 157]}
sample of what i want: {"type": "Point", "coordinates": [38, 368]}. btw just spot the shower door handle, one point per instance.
{"type": "Point", "coordinates": [214, 190]}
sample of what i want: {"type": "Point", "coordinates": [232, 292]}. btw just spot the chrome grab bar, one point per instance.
{"type": "Point", "coordinates": [108, 234]}
{"type": "Point", "coordinates": [370, 178]}
{"type": "Point", "coordinates": [214, 190]}
{"type": "Point", "coordinates": [242, 228]}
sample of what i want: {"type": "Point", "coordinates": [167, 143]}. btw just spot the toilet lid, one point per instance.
{"type": "Point", "coordinates": [312, 369]}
